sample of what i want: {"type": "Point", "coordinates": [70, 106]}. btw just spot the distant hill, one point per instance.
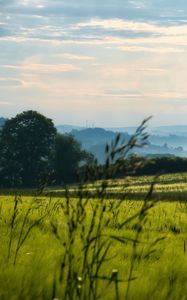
{"type": "Point", "coordinates": [95, 139]}
{"type": "Point", "coordinates": [179, 130]}
{"type": "Point", "coordinates": [68, 128]}
{"type": "Point", "coordinates": [172, 128]}
{"type": "Point", "coordinates": [173, 140]}
{"type": "Point", "coordinates": [94, 136]}
{"type": "Point", "coordinates": [2, 121]}
{"type": "Point", "coordinates": [157, 130]}
{"type": "Point", "coordinates": [129, 130]}
{"type": "Point", "coordinates": [163, 140]}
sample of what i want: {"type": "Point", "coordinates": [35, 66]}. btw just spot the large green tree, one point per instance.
{"type": "Point", "coordinates": [26, 144]}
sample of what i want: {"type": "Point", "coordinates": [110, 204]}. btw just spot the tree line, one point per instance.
{"type": "Point", "coordinates": [162, 164]}
{"type": "Point", "coordinates": [31, 152]}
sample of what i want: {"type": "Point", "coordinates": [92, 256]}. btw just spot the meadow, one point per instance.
{"type": "Point", "coordinates": [169, 187]}
{"type": "Point", "coordinates": [77, 244]}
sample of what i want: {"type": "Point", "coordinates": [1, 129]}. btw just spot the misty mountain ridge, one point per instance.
{"type": "Point", "coordinates": [157, 130]}
{"type": "Point", "coordinates": [94, 140]}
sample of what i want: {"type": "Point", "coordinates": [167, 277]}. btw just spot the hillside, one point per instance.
{"type": "Point", "coordinates": [95, 139]}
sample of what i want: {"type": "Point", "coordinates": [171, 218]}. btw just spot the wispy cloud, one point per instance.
{"type": "Point", "coordinates": [152, 70]}
{"type": "Point", "coordinates": [138, 27]}
{"type": "Point", "coordinates": [4, 103]}
{"type": "Point", "coordinates": [10, 82]}
{"type": "Point", "coordinates": [150, 49]}
{"type": "Point", "coordinates": [71, 56]}
{"type": "Point", "coordinates": [42, 68]}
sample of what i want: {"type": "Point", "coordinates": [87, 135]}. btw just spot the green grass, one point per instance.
{"type": "Point", "coordinates": [44, 241]}
{"type": "Point", "coordinates": [96, 241]}
{"type": "Point", "coordinates": [168, 187]}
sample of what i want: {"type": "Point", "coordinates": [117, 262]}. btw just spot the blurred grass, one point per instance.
{"type": "Point", "coordinates": [160, 269]}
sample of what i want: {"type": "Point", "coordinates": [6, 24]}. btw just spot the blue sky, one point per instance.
{"type": "Point", "coordinates": [107, 63]}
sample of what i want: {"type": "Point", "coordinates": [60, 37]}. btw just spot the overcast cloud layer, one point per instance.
{"type": "Point", "coordinates": [110, 63]}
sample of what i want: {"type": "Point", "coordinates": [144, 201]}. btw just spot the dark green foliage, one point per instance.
{"type": "Point", "coordinates": [27, 141]}
{"type": "Point", "coordinates": [68, 156]}
{"type": "Point", "coordinates": [31, 151]}
{"type": "Point", "coordinates": [165, 164]}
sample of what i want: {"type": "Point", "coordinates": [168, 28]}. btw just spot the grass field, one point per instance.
{"type": "Point", "coordinates": [168, 187]}
{"type": "Point", "coordinates": [65, 248]}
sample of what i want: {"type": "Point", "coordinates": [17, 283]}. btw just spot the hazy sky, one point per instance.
{"type": "Point", "coordinates": [107, 62]}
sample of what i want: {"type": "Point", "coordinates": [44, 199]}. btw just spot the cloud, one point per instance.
{"type": "Point", "coordinates": [120, 93]}
{"type": "Point", "coordinates": [137, 95]}
{"type": "Point", "coordinates": [42, 68]}
{"type": "Point", "coordinates": [10, 82]}
{"type": "Point", "coordinates": [168, 95]}
{"type": "Point", "coordinates": [4, 103]}
{"type": "Point", "coordinates": [152, 70]}
{"type": "Point", "coordinates": [131, 36]}
{"type": "Point", "coordinates": [72, 56]}
{"type": "Point", "coordinates": [157, 49]}
{"type": "Point", "coordinates": [126, 25]}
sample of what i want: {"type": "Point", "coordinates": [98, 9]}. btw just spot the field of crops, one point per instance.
{"type": "Point", "coordinates": [89, 248]}
{"type": "Point", "coordinates": [167, 187]}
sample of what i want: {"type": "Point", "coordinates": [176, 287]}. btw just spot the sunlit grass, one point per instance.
{"type": "Point", "coordinates": [159, 266]}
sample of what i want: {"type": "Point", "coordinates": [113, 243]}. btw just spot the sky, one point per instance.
{"type": "Point", "coordinates": [103, 63]}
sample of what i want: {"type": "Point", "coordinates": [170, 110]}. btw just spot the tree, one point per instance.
{"type": "Point", "coordinates": [27, 142]}
{"type": "Point", "coordinates": [67, 158]}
